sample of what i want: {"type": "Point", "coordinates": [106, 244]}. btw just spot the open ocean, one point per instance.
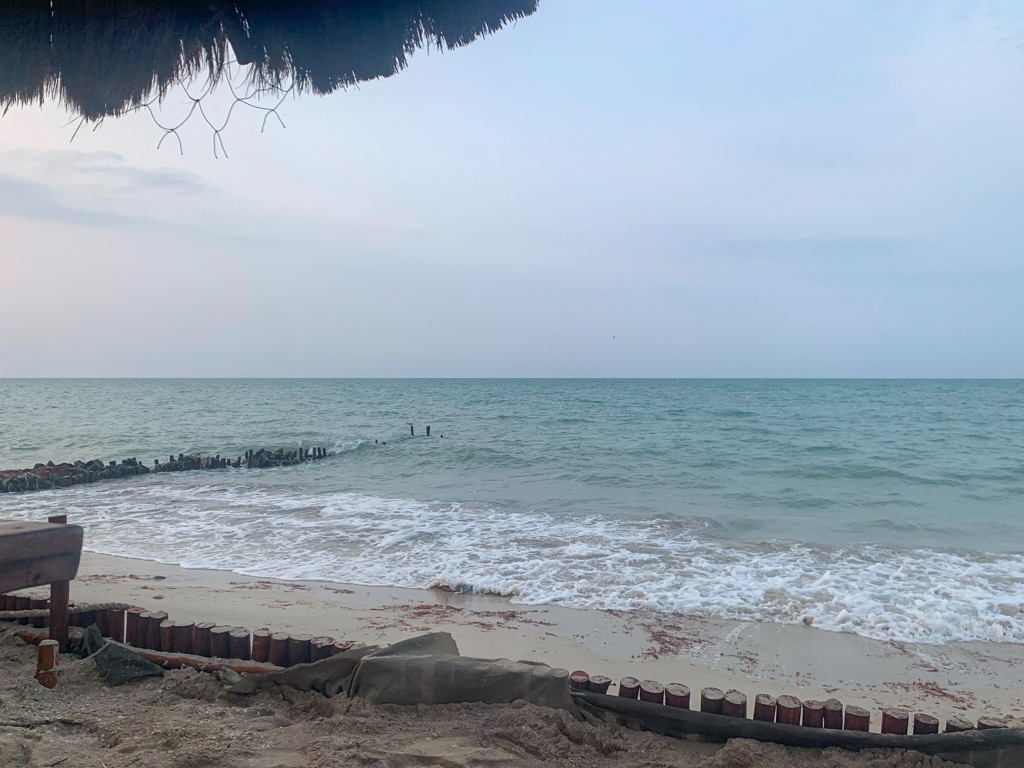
{"type": "Point", "coordinates": [894, 509]}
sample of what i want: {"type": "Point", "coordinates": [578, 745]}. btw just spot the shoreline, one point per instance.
{"type": "Point", "coordinates": [965, 679]}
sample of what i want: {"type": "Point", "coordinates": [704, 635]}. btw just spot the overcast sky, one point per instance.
{"type": "Point", "coordinates": [606, 189]}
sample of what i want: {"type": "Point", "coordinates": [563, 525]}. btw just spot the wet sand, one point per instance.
{"type": "Point", "coordinates": [965, 679]}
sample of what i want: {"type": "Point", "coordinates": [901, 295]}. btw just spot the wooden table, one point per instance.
{"type": "Point", "coordinates": [33, 554]}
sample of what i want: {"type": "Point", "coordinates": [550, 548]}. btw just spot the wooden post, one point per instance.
{"type": "Point", "coordinates": [133, 625]}
{"type": "Point", "coordinates": [183, 635]}
{"type": "Point", "coordinates": [814, 714]}
{"type": "Point", "coordinates": [298, 649]}
{"type": "Point", "coordinates": [22, 603]}
{"type": "Point", "coordinates": [60, 595]}
{"type": "Point", "coordinates": [895, 721]}
{"type": "Point", "coordinates": [924, 724]}
{"type": "Point", "coordinates": [37, 604]}
{"type": "Point", "coordinates": [711, 700]}
{"type": "Point", "coordinates": [857, 719]}
{"type": "Point", "coordinates": [764, 708]}
{"type": "Point", "coordinates": [988, 723]}
{"type": "Point", "coordinates": [261, 645]}
{"type": "Point", "coordinates": [320, 648]}
{"type": "Point", "coordinates": [788, 710]}
{"type": "Point", "coordinates": [833, 717]}
{"type": "Point", "coordinates": [46, 663]}
{"type": "Point", "coordinates": [629, 687]}
{"type": "Point", "coordinates": [958, 724]}
{"type": "Point", "coordinates": [598, 683]}
{"type": "Point", "coordinates": [677, 695]}
{"type": "Point", "coordinates": [166, 636]}
{"type": "Point", "coordinates": [201, 638]}
{"type": "Point", "coordinates": [238, 640]}
{"type": "Point", "coordinates": [279, 649]}
{"type": "Point", "coordinates": [220, 643]}
{"type": "Point", "coordinates": [652, 691]}
{"type": "Point", "coordinates": [428, 430]}
{"type": "Point", "coordinates": [114, 622]}
{"type": "Point", "coordinates": [578, 680]}
{"type": "Point", "coordinates": [734, 704]}
{"type": "Point", "coordinates": [153, 632]}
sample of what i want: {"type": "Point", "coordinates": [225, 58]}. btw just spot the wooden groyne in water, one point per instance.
{"type": "Point", "coordinates": [45, 476]}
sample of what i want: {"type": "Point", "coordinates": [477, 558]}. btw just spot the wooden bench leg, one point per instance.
{"type": "Point", "coordinates": [60, 595]}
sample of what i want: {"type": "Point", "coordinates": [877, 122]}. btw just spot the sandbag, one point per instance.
{"type": "Point", "coordinates": [423, 670]}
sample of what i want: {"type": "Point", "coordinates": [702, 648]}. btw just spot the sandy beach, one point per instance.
{"type": "Point", "coordinates": [965, 679]}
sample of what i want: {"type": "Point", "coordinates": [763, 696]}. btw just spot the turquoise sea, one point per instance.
{"type": "Point", "coordinates": [894, 509]}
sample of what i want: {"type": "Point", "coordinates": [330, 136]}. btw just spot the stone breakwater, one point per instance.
{"type": "Point", "coordinates": [50, 475]}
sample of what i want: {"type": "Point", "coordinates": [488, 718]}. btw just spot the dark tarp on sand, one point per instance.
{"type": "Point", "coordinates": [423, 670]}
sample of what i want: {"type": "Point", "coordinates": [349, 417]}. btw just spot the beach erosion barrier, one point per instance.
{"type": "Point", "coordinates": [207, 646]}
{"type": "Point", "coordinates": [45, 476]}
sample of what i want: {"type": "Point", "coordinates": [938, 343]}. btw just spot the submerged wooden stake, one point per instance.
{"type": "Point", "coordinates": [764, 708]}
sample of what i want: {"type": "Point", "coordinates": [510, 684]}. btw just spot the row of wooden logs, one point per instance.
{"type": "Point", "coordinates": [784, 709]}
{"type": "Point", "coordinates": [153, 630]}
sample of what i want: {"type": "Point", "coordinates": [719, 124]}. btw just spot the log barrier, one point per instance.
{"type": "Point", "coordinates": [45, 476]}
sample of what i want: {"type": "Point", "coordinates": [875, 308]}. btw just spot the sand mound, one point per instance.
{"type": "Point", "coordinates": [187, 720]}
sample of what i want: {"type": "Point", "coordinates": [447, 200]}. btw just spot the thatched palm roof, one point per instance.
{"type": "Point", "coordinates": [104, 57]}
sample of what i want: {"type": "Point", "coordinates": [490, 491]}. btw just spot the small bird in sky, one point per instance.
{"type": "Point", "coordinates": [613, 338]}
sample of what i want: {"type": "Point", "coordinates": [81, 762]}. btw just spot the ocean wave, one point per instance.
{"type": "Point", "coordinates": [651, 563]}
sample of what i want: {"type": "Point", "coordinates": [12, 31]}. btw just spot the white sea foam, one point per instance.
{"type": "Point", "coordinates": [596, 562]}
